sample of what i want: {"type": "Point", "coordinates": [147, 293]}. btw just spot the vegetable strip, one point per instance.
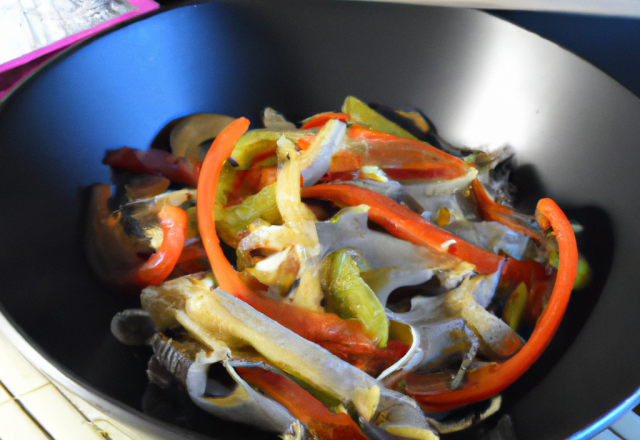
{"type": "Point", "coordinates": [326, 329]}
{"type": "Point", "coordinates": [407, 159]}
{"type": "Point", "coordinates": [492, 211]}
{"type": "Point", "coordinates": [290, 281]}
{"type": "Point", "coordinates": [320, 119]}
{"type": "Point", "coordinates": [192, 251]}
{"type": "Point", "coordinates": [153, 162]}
{"type": "Point", "coordinates": [302, 405]}
{"type": "Point", "coordinates": [173, 222]}
{"type": "Point", "coordinates": [492, 379]}
{"type": "Point", "coordinates": [405, 224]}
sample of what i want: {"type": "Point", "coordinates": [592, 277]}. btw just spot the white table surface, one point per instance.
{"type": "Point", "coordinates": [35, 407]}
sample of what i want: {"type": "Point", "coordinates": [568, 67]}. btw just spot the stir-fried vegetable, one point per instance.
{"type": "Point", "coordinates": [302, 405]}
{"type": "Point", "coordinates": [153, 162]}
{"type": "Point", "coordinates": [493, 378]}
{"type": "Point", "coordinates": [376, 281]}
{"type": "Point", "coordinates": [173, 221]}
{"type": "Point", "coordinates": [351, 298]}
{"type": "Point", "coordinates": [337, 335]}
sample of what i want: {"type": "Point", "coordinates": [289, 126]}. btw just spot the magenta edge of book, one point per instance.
{"type": "Point", "coordinates": [141, 5]}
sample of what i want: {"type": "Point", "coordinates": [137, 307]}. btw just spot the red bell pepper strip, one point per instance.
{"type": "Point", "coordinates": [493, 378]}
{"type": "Point", "coordinates": [525, 271]}
{"type": "Point", "coordinates": [371, 362]}
{"type": "Point", "coordinates": [329, 329]}
{"type": "Point", "coordinates": [190, 267]}
{"type": "Point", "coordinates": [249, 182]}
{"type": "Point", "coordinates": [407, 159]}
{"type": "Point", "coordinates": [192, 260]}
{"type": "Point", "coordinates": [207, 184]}
{"type": "Point", "coordinates": [154, 162]}
{"type": "Point", "coordinates": [192, 251]}
{"type": "Point", "coordinates": [346, 161]}
{"type": "Point", "coordinates": [322, 423]}
{"type": "Point", "coordinates": [322, 118]}
{"type": "Point", "coordinates": [405, 224]}
{"type": "Point", "coordinates": [538, 297]}
{"type": "Point", "coordinates": [154, 271]}
{"type": "Point", "coordinates": [492, 211]}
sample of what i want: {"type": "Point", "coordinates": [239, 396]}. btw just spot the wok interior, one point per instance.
{"type": "Point", "coordinates": [483, 82]}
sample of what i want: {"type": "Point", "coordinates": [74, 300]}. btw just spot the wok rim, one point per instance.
{"type": "Point", "coordinates": [58, 373]}
{"type": "Point", "coordinates": [129, 415]}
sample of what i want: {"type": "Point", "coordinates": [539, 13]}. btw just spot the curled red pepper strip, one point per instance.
{"type": "Point", "coordinates": [493, 378]}
{"type": "Point", "coordinates": [322, 328]}
{"type": "Point", "coordinates": [302, 405]}
{"type": "Point", "coordinates": [322, 118]}
{"type": "Point", "coordinates": [173, 222]}
{"type": "Point", "coordinates": [207, 184]}
{"type": "Point", "coordinates": [405, 224]}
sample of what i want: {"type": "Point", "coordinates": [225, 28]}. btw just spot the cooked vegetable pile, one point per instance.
{"type": "Point", "coordinates": [381, 283]}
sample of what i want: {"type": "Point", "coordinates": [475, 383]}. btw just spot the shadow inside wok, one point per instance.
{"type": "Point", "coordinates": [482, 81]}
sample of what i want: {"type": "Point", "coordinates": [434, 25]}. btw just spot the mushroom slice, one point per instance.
{"type": "Point", "coordinates": [455, 325]}
{"type": "Point", "coordinates": [348, 229]}
{"type": "Point", "coordinates": [214, 386]}
{"type": "Point", "coordinates": [457, 206]}
{"type": "Point", "coordinates": [133, 327]}
{"type": "Point", "coordinates": [490, 236]}
{"type": "Point", "coordinates": [385, 280]}
{"type": "Point", "coordinates": [441, 339]}
{"type": "Point", "coordinates": [240, 402]}
{"type": "Point", "coordinates": [212, 316]}
{"type": "Point", "coordinates": [390, 188]}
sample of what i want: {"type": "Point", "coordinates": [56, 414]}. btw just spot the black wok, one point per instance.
{"type": "Point", "coordinates": [482, 81]}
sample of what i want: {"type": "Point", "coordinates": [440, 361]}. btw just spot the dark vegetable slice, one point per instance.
{"type": "Point", "coordinates": [154, 162]}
